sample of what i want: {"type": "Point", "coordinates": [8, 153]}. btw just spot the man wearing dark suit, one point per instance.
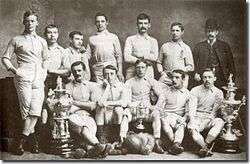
{"type": "Point", "coordinates": [215, 54]}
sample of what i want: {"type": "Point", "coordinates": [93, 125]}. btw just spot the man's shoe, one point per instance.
{"type": "Point", "coordinates": [20, 144]}
{"type": "Point", "coordinates": [176, 149]}
{"type": "Point", "coordinates": [34, 144]}
{"type": "Point", "coordinates": [204, 152]}
{"type": "Point", "coordinates": [158, 149]}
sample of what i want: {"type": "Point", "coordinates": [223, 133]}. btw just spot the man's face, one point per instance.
{"type": "Point", "coordinates": [52, 35]}
{"type": "Point", "coordinates": [30, 23]}
{"type": "Point", "coordinates": [176, 33]}
{"type": "Point", "coordinates": [141, 69]}
{"type": "Point", "coordinates": [110, 75]}
{"type": "Point", "coordinates": [208, 79]}
{"type": "Point", "coordinates": [177, 80]}
{"type": "Point", "coordinates": [77, 41]}
{"type": "Point", "coordinates": [211, 33]}
{"type": "Point", "coordinates": [78, 72]}
{"type": "Point", "coordinates": [101, 23]}
{"type": "Point", "coordinates": [143, 25]}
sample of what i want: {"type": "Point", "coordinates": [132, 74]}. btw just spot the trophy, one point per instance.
{"type": "Point", "coordinates": [230, 111]}
{"type": "Point", "coordinates": [141, 112]}
{"type": "Point", "coordinates": [59, 102]}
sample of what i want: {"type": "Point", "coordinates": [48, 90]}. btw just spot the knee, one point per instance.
{"type": "Point", "coordinates": [118, 111]}
{"type": "Point", "coordinates": [219, 122]}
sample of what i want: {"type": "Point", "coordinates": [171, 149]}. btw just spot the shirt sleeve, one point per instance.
{"type": "Point", "coordinates": [118, 51]}
{"type": "Point", "coordinates": [129, 91]}
{"type": "Point", "coordinates": [10, 50]}
{"type": "Point", "coordinates": [189, 61]}
{"type": "Point", "coordinates": [154, 51]}
{"type": "Point", "coordinates": [128, 50]}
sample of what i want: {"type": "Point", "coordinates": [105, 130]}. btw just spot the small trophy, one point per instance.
{"type": "Point", "coordinates": [59, 102]}
{"type": "Point", "coordinates": [230, 111]}
{"type": "Point", "coordinates": [141, 112]}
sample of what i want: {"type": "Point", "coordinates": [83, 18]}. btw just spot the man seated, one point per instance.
{"type": "Point", "coordinates": [80, 120]}
{"type": "Point", "coordinates": [139, 88]}
{"type": "Point", "coordinates": [111, 104]}
{"type": "Point", "coordinates": [209, 99]}
{"type": "Point", "coordinates": [178, 104]}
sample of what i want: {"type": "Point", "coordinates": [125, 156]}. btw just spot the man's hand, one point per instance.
{"type": "Point", "coordinates": [197, 77]}
{"type": "Point", "coordinates": [102, 103]}
{"type": "Point", "coordinates": [181, 120]}
{"type": "Point", "coordinates": [120, 76]}
{"type": "Point", "coordinates": [105, 83]}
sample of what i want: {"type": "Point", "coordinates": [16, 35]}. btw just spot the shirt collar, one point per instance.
{"type": "Point", "coordinates": [56, 46]}
{"type": "Point", "coordinates": [211, 43]}
{"type": "Point", "coordinates": [182, 90]}
{"type": "Point", "coordinates": [146, 36]}
{"type": "Point", "coordinates": [105, 32]}
{"type": "Point", "coordinates": [25, 33]}
{"type": "Point", "coordinates": [212, 89]}
{"type": "Point", "coordinates": [179, 42]}
{"type": "Point", "coordinates": [84, 82]}
{"type": "Point", "coordinates": [73, 51]}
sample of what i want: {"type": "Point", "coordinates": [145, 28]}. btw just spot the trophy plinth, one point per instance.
{"type": "Point", "coordinates": [59, 102]}
{"type": "Point", "coordinates": [229, 139]}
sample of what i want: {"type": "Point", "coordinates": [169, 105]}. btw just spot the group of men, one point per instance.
{"type": "Point", "coordinates": [94, 78]}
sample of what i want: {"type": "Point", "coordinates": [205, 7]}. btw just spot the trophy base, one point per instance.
{"type": "Point", "coordinates": [61, 147]}
{"type": "Point", "coordinates": [226, 146]}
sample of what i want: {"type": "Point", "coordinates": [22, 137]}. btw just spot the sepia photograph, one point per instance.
{"type": "Point", "coordinates": [124, 80]}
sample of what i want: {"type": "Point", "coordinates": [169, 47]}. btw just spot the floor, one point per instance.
{"type": "Point", "coordinates": [184, 156]}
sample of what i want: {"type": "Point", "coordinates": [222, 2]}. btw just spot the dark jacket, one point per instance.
{"type": "Point", "coordinates": [223, 51]}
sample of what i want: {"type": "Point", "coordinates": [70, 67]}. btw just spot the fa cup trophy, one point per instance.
{"type": "Point", "coordinates": [230, 111]}
{"type": "Point", "coordinates": [141, 112]}
{"type": "Point", "coordinates": [59, 102]}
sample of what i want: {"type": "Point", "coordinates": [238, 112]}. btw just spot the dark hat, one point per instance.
{"type": "Point", "coordinates": [212, 24]}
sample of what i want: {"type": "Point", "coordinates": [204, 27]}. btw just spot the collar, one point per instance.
{"type": "Point", "coordinates": [84, 82]}
{"type": "Point", "coordinates": [178, 42]}
{"type": "Point", "coordinates": [146, 36]}
{"type": "Point", "coordinates": [25, 33]}
{"type": "Point", "coordinates": [212, 89]}
{"type": "Point", "coordinates": [211, 43]}
{"type": "Point", "coordinates": [105, 32]}
{"type": "Point", "coordinates": [182, 90]}
{"type": "Point", "coordinates": [56, 46]}
{"type": "Point", "coordinates": [73, 51]}
{"type": "Point", "coordinates": [115, 84]}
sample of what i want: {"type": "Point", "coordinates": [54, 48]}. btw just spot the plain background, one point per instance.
{"type": "Point", "coordinates": [79, 15]}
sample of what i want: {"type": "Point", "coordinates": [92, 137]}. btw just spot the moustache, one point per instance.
{"type": "Point", "coordinates": [143, 28]}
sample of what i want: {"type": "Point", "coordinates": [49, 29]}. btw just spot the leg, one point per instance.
{"type": "Point", "coordinates": [124, 127]}
{"type": "Point", "coordinates": [217, 125]}
{"type": "Point", "coordinates": [156, 124]}
{"type": "Point", "coordinates": [118, 114]}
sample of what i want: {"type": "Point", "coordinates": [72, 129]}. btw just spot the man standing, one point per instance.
{"type": "Point", "coordinates": [31, 53]}
{"type": "Point", "coordinates": [139, 88]}
{"type": "Point", "coordinates": [114, 99]}
{"type": "Point", "coordinates": [80, 120]}
{"type": "Point", "coordinates": [105, 49]}
{"type": "Point", "coordinates": [178, 106]}
{"type": "Point", "coordinates": [76, 52]}
{"type": "Point", "coordinates": [213, 53]}
{"type": "Point", "coordinates": [209, 99]}
{"type": "Point", "coordinates": [175, 55]}
{"type": "Point", "coordinates": [141, 46]}
{"type": "Point", "coordinates": [57, 57]}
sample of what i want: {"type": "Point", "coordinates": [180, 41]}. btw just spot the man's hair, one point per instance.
{"type": "Point", "coordinates": [29, 13]}
{"type": "Point", "coordinates": [50, 26]}
{"type": "Point", "coordinates": [101, 14]}
{"type": "Point", "coordinates": [142, 61]}
{"type": "Point", "coordinates": [143, 16]}
{"type": "Point", "coordinates": [208, 70]}
{"type": "Point", "coordinates": [180, 72]}
{"type": "Point", "coordinates": [73, 33]}
{"type": "Point", "coordinates": [110, 67]}
{"type": "Point", "coordinates": [78, 63]}
{"type": "Point", "coordinates": [177, 24]}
